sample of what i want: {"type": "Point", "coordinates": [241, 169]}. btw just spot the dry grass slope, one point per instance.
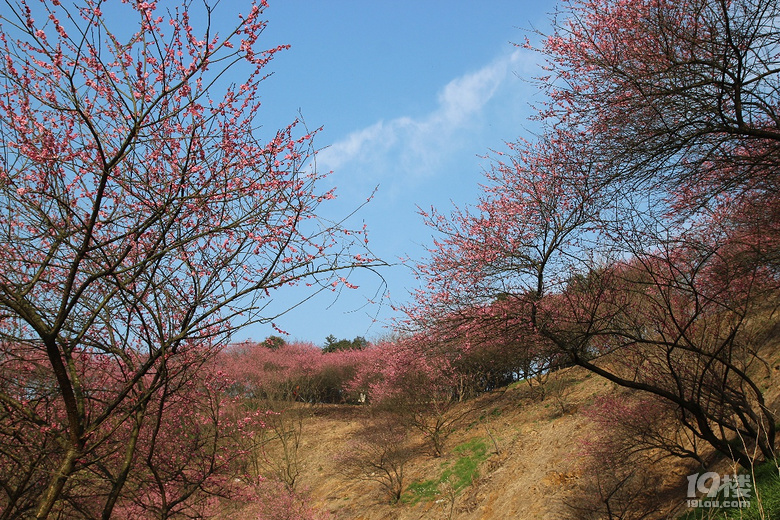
{"type": "Point", "coordinates": [532, 474]}
{"type": "Point", "coordinates": [531, 468]}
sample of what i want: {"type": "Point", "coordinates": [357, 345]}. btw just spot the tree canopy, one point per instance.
{"type": "Point", "coordinates": [637, 236]}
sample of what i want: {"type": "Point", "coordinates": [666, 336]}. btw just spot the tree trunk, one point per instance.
{"type": "Point", "coordinates": [58, 482]}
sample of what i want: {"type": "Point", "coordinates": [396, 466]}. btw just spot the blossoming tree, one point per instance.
{"type": "Point", "coordinates": [641, 228]}
{"type": "Point", "coordinates": [145, 216]}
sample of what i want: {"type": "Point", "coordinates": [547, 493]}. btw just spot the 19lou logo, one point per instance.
{"type": "Point", "coordinates": [719, 490]}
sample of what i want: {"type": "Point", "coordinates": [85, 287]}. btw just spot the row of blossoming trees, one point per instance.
{"type": "Point", "coordinates": [637, 236]}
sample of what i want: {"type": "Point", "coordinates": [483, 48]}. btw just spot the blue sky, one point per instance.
{"type": "Point", "coordinates": [410, 95]}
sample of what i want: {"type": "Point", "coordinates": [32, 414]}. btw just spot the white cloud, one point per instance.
{"type": "Point", "coordinates": [407, 147]}
{"type": "Point", "coordinates": [360, 145]}
{"type": "Point", "coordinates": [466, 95]}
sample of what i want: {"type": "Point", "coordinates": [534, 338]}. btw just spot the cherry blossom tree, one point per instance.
{"type": "Point", "coordinates": [416, 384]}
{"type": "Point", "coordinates": [637, 236]}
{"type": "Point", "coordinates": [525, 233]}
{"type": "Point", "coordinates": [187, 451]}
{"type": "Point", "coordinates": [146, 215]}
{"type": "Point", "coordinates": [293, 372]}
{"type": "Point", "coordinates": [672, 93]}
{"type": "Point", "coordinates": [679, 102]}
{"type": "Point", "coordinates": [685, 323]}
{"type": "Point", "coordinates": [496, 262]}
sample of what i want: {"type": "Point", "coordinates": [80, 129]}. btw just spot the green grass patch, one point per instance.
{"type": "Point", "coordinates": [466, 467]}
{"type": "Point", "coordinates": [764, 499]}
{"type": "Point", "coordinates": [421, 490]}
{"type": "Point", "coordinates": [458, 473]}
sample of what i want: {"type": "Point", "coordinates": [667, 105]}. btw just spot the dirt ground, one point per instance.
{"type": "Point", "coordinates": [533, 475]}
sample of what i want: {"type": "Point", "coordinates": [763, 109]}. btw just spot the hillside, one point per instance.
{"type": "Point", "coordinates": [528, 453]}
{"type": "Point", "coordinates": [531, 476]}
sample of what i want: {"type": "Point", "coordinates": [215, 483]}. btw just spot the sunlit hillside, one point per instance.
{"type": "Point", "coordinates": [512, 454]}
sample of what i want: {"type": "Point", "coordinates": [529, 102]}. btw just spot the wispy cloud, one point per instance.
{"type": "Point", "coordinates": [407, 147]}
